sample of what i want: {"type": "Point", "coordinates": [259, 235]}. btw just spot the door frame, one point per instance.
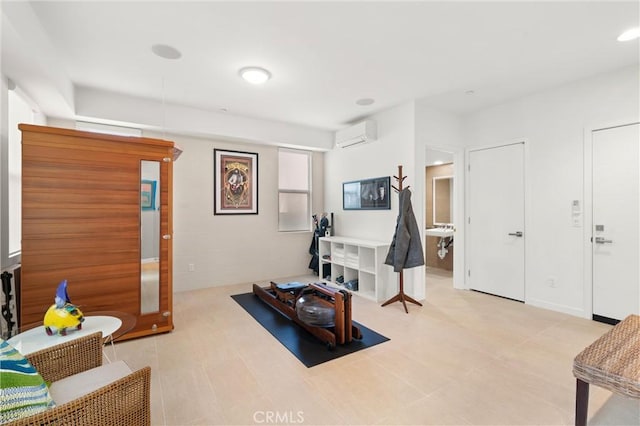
{"type": "Point", "coordinates": [459, 185]}
{"type": "Point", "coordinates": [527, 204]}
{"type": "Point", "coordinates": [587, 299]}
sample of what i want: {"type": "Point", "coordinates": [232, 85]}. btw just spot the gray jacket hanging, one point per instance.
{"type": "Point", "coordinates": [406, 248]}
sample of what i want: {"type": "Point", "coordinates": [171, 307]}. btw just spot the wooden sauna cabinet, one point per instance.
{"type": "Point", "coordinates": [81, 221]}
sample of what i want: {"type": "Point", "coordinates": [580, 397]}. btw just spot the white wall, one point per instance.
{"type": "Point", "coordinates": [441, 130]}
{"type": "Point", "coordinates": [4, 174]}
{"type": "Point", "coordinates": [395, 146]}
{"type": "Point", "coordinates": [235, 248]}
{"type": "Point", "coordinates": [553, 123]}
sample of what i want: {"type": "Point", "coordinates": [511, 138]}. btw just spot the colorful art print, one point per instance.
{"type": "Point", "coordinates": [147, 194]}
{"type": "Point", "coordinates": [235, 182]}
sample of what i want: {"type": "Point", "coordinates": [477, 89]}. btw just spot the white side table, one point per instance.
{"type": "Point", "coordinates": [36, 339]}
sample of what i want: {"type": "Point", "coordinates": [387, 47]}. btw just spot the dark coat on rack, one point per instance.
{"type": "Point", "coordinates": [406, 248]}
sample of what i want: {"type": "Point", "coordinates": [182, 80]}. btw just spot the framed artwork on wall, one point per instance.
{"type": "Point", "coordinates": [367, 194]}
{"type": "Point", "coordinates": [147, 194]}
{"type": "Point", "coordinates": [235, 182]}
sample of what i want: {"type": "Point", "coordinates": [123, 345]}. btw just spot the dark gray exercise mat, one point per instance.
{"type": "Point", "coordinates": [305, 346]}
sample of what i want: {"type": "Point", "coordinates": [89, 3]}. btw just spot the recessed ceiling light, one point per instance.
{"type": "Point", "coordinates": [255, 75]}
{"type": "Point", "coordinates": [365, 101]}
{"type": "Point", "coordinates": [630, 34]}
{"type": "Point", "coordinates": [165, 51]}
{"type": "Point", "coordinates": [438, 163]}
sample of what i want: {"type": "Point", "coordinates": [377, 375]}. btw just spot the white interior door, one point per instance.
{"type": "Point", "coordinates": [496, 221]}
{"type": "Point", "coordinates": [616, 217]}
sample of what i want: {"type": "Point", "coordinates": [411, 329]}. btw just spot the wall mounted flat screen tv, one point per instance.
{"type": "Point", "coordinates": [367, 194]}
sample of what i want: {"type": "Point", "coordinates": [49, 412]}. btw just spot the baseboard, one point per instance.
{"type": "Point", "coordinates": [576, 312]}
{"type": "Point", "coordinates": [497, 295]}
{"type": "Point", "coordinates": [606, 320]}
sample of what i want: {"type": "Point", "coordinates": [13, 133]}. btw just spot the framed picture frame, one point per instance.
{"type": "Point", "coordinates": [367, 194]}
{"type": "Point", "coordinates": [235, 182]}
{"type": "Point", "coordinates": [148, 194]}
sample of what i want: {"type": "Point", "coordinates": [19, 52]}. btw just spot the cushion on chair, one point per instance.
{"type": "Point", "coordinates": [23, 392]}
{"type": "Point", "coordinates": [80, 384]}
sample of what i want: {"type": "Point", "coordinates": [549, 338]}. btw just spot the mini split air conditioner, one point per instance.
{"type": "Point", "coordinates": [362, 132]}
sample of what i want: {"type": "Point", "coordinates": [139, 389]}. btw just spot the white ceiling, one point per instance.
{"type": "Point", "coordinates": [324, 56]}
{"type": "Point", "coordinates": [436, 157]}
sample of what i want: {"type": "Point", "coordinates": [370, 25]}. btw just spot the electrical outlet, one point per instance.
{"type": "Point", "coordinates": [552, 282]}
{"type": "Point", "coordinates": [192, 267]}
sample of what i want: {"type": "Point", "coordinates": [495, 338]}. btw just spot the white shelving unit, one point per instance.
{"type": "Point", "coordinates": [353, 258]}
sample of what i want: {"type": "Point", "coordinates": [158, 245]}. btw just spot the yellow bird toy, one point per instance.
{"type": "Point", "coordinates": [62, 315]}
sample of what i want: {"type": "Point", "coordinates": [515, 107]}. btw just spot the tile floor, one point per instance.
{"type": "Point", "coordinates": [464, 358]}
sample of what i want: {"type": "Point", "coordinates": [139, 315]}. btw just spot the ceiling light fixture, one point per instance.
{"type": "Point", "coordinates": [165, 51]}
{"type": "Point", "coordinates": [255, 75]}
{"type": "Point", "coordinates": [438, 163]}
{"type": "Point", "coordinates": [630, 34]}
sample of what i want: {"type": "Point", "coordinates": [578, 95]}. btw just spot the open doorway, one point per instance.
{"type": "Point", "coordinates": [439, 221]}
{"type": "Point", "coordinates": [444, 215]}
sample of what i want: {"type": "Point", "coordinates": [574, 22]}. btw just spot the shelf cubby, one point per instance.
{"type": "Point", "coordinates": [352, 258]}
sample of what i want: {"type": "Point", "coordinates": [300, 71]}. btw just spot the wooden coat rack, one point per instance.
{"type": "Point", "coordinates": [401, 296]}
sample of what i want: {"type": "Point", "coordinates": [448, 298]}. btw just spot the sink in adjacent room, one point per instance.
{"type": "Point", "coordinates": [439, 232]}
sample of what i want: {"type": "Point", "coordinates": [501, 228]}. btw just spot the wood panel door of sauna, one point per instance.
{"type": "Point", "coordinates": [82, 221]}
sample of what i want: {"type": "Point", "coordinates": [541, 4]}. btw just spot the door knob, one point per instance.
{"type": "Point", "coordinates": [516, 234]}
{"type": "Point", "coordinates": [601, 240]}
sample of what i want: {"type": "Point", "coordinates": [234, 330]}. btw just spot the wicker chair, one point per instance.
{"type": "Point", "coordinates": [123, 402]}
